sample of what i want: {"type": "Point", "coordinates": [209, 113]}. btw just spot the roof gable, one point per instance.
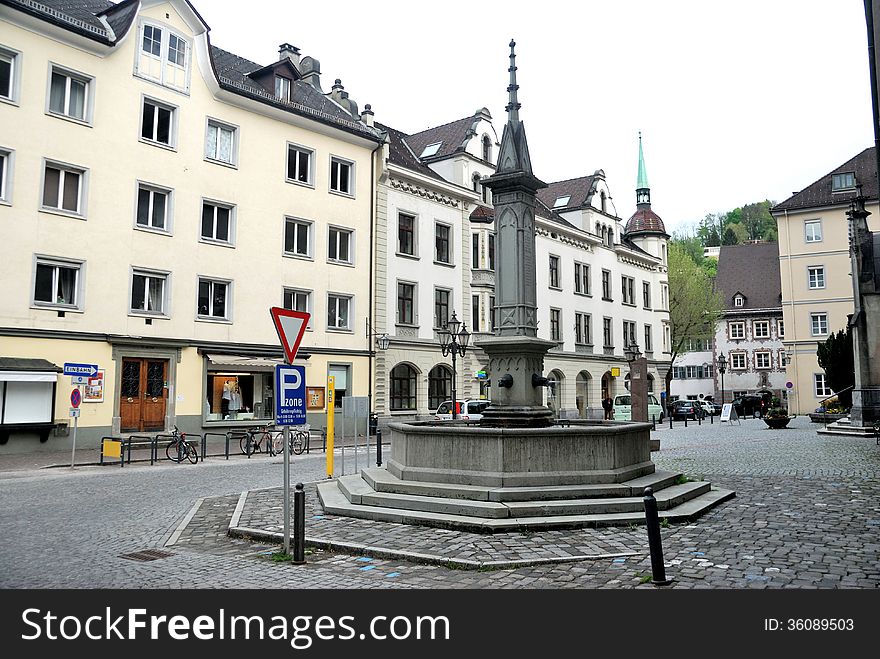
{"type": "Point", "coordinates": [819, 194]}
{"type": "Point", "coordinates": [752, 271]}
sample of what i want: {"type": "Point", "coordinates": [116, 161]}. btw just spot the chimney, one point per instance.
{"type": "Point", "coordinates": [290, 52]}
{"type": "Point", "coordinates": [310, 69]}
{"type": "Point", "coordinates": [367, 115]}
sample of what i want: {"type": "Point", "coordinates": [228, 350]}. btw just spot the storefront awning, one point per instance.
{"type": "Point", "coordinates": [248, 362]}
{"type": "Point", "coordinates": [17, 369]}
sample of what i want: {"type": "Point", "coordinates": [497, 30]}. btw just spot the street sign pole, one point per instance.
{"type": "Point", "coordinates": [331, 403]}
{"type": "Point", "coordinates": [287, 489]}
{"type": "Point", "coordinates": [75, 424]}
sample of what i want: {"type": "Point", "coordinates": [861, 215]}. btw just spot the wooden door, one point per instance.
{"type": "Point", "coordinates": [143, 394]}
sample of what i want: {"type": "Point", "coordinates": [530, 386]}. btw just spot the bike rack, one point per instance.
{"type": "Point", "coordinates": [121, 451]}
{"type": "Point", "coordinates": [224, 435]}
{"type": "Point", "coordinates": [235, 434]}
{"type": "Point", "coordinates": [154, 447]}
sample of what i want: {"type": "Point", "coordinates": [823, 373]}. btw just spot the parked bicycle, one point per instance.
{"type": "Point", "coordinates": [179, 449]}
{"type": "Point", "coordinates": [254, 440]}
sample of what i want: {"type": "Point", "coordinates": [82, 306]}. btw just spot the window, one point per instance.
{"type": "Point", "coordinates": [64, 188]}
{"type": "Point", "coordinates": [484, 193]}
{"type": "Point", "coordinates": [738, 361]}
{"type": "Point", "coordinates": [403, 387]}
{"type": "Point", "coordinates": [783, 359]}
{"type": "Point", "coordinates": [821, 386]}
{"type": "Point", "coordinates": [9, 63]}
{"type": "Point", "coordinates": [282, 88]}
{"type": "Point", "coordinates": [69, 94]}
{"type": "Point", "coordinates": [338, 312]}
{"type": "Point", "coordinates": [431, 150]}
{"type": "Point", "coordinates": [57, 283]}
{"type": "Point", "coordinates": [299, 164]}
{"type": "Point", "coordinates": [487, 148]}
{"type": "Point", "coordinates": [603, 201]}
{"type": "Point", "coordinates": [607, 336]}
{"type": "Point", "coordinates": [164, 57]}
{"type": "Point", "coordinates": [297, 237]}
{"type": "Point", "coordinates": [153, 205]}
{"type": "Point", "coordinates": [441, 307]}
{"type": "Point", "coordinates": [606, 285]}
{"type": "Point", "coordinates": [297, 299]}
{"type": "Point", "coordinates": [406, 232]}
{"type": "Point", "coordinates": [664, 295]}
{"type": "Point", "coordinates": [491, 313]}
{"type": "Point", "coordinates": [406, 294]}
{"type": "Point", "coordinates": [646, 294]}
{"type": "Point", "coordinates": [491, 237]}
{"type": "Point", "coordinates": [627, 286]}
{"type": "Point", "coordinates": [736, 330]}
{"type": "Point", "coordinates": [762, 360]}
{"type": "Point", "coordinates": [629, 333]}
{"type": "Point", "coordinates": [5, 176]}
{"type": "Point", "coordinates": [843, 181]}
{"type": "Point", "coordinates": [780, 329]}
{"type": "Point", "coordinates": [439, 386]}
{"type": "Point", "coordinates": [476, 182]}
{"type": "Point", "coordinates": [582, 278]}
{"type": "Point", "coordinates": [148, 292]}
{"type": "Point", "coordinates": [816, 277]}
{"type": "Point", "coordinates": [341, 176]}
{"type": "Point", "coordinates": [649, 342]}
{"type": "Point", "coordinates": [761, 329]}
{"type": "Point", "coordinates": [667, 337]}
{"type": "Point", "coordinates": [813, 231]}
{"type": "Point", "coordinates": [562, 201]}
{"type": "Point", "coordinates": [157, 123]}
{"type": "Point", "coordinates": [554, 272]}
{"type": "Point", "coordinates": [475, 313]}
{"type": "Point", "coordinates": [555, 316]}
{"type": "Point", "coordinates": [738, 301]}
{"type": "Point", "coordinates": [583, 330]}
{"type": "Point", "coordinates": [819, 323]}
{"type": "Point", "coordinates": [475, 251]}
{"type": "Point", "coordinates": [441, 243]}
{"type": "Point", "coordinates": [213, 299]}
{"type": "Point", "coordinates": [339, 247]}
{"type": "Point", "coordinates": [218, 222]}
{"type": "Point", "coordinates": [220, 142]}
{"type": "Point", "coordinates": [692, 372]}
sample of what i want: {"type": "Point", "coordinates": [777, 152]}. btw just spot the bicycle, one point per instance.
{"type": "Point", "coordinates": [179, 449]}
{"type": "Point", "coordinates": [297, 443]}
{"type": "Point", "coordinates": [254, 439]}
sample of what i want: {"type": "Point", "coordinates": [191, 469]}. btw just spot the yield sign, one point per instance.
{"type": "Point", "coordinates": [290, 326]}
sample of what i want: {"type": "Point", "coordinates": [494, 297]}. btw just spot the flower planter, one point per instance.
{"type": "Point", "coordinates": [777, 423]}
{"type": "Point", "coordinates": [827, 417]}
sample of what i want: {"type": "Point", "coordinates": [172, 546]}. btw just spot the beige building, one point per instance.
{"type": "Point", "coordinates": [158, 195]}
{"type": "Point", "coordinates": [815, 269]}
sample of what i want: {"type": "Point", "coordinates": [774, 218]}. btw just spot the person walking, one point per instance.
{"type": "Point", "coordinates": [608, 406]}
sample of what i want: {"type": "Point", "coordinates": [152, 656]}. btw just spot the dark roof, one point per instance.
{"type": "Point", "coordinates": [482, 214]}
{"type": "Point", "coordinates": [23, 364]}
{"type": "Point", "coordinates": [452, 136]}
{"type": "Point", "coordinates": [576, 188]}
{"type": "Point", "coordinates": [78, 16]}
{"type": "Point", "coordinates": [400, 154]}
{"type": "Point", "coordinates": [121, 16]}
{"type": "Point", "coordinates": [752, 270]}
{"type": "Point", "coordinates": [818, 194]}
{"type": "Point", "coordinates": [644, 220]}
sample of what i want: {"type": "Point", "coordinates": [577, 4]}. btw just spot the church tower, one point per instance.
{"type": "Point", "coordinates": [645, 228]}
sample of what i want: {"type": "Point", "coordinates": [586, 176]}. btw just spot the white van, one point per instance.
{"type": "Point", "coordinates": [466, 410]}
{"type": "Point", "coordinates": [623, 408]}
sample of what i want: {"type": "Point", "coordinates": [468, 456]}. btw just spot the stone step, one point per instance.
{"type": "Point", "coordinates": [336, 503]}
{"type": "Point", "coordinates": [382, 480]}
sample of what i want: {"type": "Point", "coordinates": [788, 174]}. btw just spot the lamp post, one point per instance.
{"type": "Point", "coordinates": [722, 366]}
{"type": "Point", "coordinates": [632, 352]}
{"type": "Point", "coordinates": [454, 341]}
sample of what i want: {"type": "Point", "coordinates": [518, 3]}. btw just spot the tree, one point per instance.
{"type": "Point", "coordinates": [693, 304]}
{"type": "Point", "coordinates": [836, 358]}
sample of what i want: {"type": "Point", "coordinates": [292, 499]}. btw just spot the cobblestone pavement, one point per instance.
{"type": "Point", "coordinates": [806, 515]}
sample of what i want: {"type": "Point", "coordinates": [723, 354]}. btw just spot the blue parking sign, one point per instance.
{"type": "Point", "coordinates": [290, 395]}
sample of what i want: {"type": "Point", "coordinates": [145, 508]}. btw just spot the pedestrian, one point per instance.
{"type": "Point", "coordinates": [608, 406]}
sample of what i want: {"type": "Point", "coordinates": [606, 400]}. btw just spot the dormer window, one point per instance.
{"type": "Point", "coordinates": [738, 301]}
{"type": "Point", "coordinates": [487, 148]}
{"type": "Point", "coordinates": [602, 201]}
{"type": "Point", "coordinates": [561, 201]}
{"type": "Point", "coordinates": [164, 57]}
{"type": "Point", "coordinates": [843, 181]}
{"type": "Point", "coordinates": [431, 150]}
{"type": "Point", "coordinates": [282, 88]}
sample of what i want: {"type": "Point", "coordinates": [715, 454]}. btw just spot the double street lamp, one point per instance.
{"type": "Point", "coordinates": [722, 366]}
{"type": "Point", "coordinates": [454, 341]}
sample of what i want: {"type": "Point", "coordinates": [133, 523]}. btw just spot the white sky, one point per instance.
{"type": "Point", "coordinates": [737, 102]}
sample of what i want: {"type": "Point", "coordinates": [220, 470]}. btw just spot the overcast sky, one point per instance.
{"type": "Point", "coordinates": [737, 102]}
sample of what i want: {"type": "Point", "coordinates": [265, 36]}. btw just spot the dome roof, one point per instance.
{"type": "Point", "coordinates": [645, 220]}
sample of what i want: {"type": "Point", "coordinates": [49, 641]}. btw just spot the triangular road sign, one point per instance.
{"type": "Point", "coordinates": [290, 325]}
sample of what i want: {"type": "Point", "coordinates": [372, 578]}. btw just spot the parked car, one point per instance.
{"type": "Point", "coordinates": [623, 408]}
{"type": "Point", "coordinates": [466, 410]}
{"type": "Point", "coordinates": [748, 405]}
{"type": "Point", "coordinates": [687, 409]}
{"type": "Point", "coordinates": [708, 408]}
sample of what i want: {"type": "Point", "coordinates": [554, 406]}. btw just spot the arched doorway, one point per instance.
{"type": "Point", "coordinates": [554, 393]}
{"type": "Point", "coordinates": [607, 385]}
{"type": "Point", "coordinates": [439, 386]}
{"type": "Point", "coordinates": [650, 383]}
{"type": "Point", "coordinates": [403, 387]}
{"type": "Point", "coordinates": [582, 393]}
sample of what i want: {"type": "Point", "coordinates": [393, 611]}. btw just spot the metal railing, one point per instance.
{"type": "Point", "coordinates": [834, 395]}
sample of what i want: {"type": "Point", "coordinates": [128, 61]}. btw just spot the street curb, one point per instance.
{"type": "Point", "coordinates": [184, 522]}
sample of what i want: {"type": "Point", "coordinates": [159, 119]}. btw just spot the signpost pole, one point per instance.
{"type": "Point", "coordinates": [287, 489]}
{"type": "Point", "coordinates": [73, 449]}
{"type": "Point", "coordinates": [331, 403]}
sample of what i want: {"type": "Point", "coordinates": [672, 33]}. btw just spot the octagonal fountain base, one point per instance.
{"type": "Point", "coordinates": [451, 475]}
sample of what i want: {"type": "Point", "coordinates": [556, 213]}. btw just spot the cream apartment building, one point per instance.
{"type": "Point", "coordinates": [158, 195]}
{"type": "Point", "coordinates": [814, 266]}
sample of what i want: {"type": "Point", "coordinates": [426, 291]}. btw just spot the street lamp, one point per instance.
{"type": "Point", "coordinates": [722, 366]}
{"type": "Point", "coordinates": [454, 341]}
{"type": "Point", "coordinates": [632, 352]}
{"type": "Point", "coordinates": [382, 340]}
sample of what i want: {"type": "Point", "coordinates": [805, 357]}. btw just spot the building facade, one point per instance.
{"type": "Point", "coordinates": [815, 269]}
{"type": "Point", "coordinates": [158, 195]}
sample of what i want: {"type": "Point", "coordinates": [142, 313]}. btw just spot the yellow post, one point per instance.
{"type": "Point", "coordinates": [331, 404]}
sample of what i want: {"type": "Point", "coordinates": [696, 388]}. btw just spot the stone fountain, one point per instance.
{"type": "Point", "coordinates": [516, 469]}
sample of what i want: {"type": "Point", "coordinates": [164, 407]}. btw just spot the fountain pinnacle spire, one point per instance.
{"type": "Point", "coordinates": [513, 105]}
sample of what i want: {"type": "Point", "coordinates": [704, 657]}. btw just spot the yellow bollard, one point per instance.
{"type": "Point", "coordinates": [331, 404]}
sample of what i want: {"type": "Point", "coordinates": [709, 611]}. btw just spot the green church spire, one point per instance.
{"type": "Point", "coordinates": [643, 192]}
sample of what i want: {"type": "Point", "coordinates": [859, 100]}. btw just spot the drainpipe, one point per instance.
{"type": "Point", "coordinates": [872, 67]}
{"type": "Point", "coordinates": [374, 190]}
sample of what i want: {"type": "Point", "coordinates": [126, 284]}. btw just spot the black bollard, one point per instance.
{"type": "Point", "coordinates": [299, 525]}
{"type": "Point", "coordinates": [685, 420]}
{"type": "Point", "coordinates": [699, 419]}
{"type": "Point", "coordinates": [711, 419]}
{"type": "Point", "coordinates": [378, 447]}
{"type": "Point", "coordinates": [655, 545]}
{"type": "Point", "coordinates": [653, 422]}
{"type": "Point", "coordinates": [670, 421]}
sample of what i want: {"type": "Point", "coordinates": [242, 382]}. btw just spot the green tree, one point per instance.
{"type": "Point", "coordinates": [836, 358]}
{"type": "Point", "coordinates": [694, 306]}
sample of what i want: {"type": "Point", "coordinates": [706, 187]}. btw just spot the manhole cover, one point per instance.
{"type": "Point", "coordinates": [146, 555]}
